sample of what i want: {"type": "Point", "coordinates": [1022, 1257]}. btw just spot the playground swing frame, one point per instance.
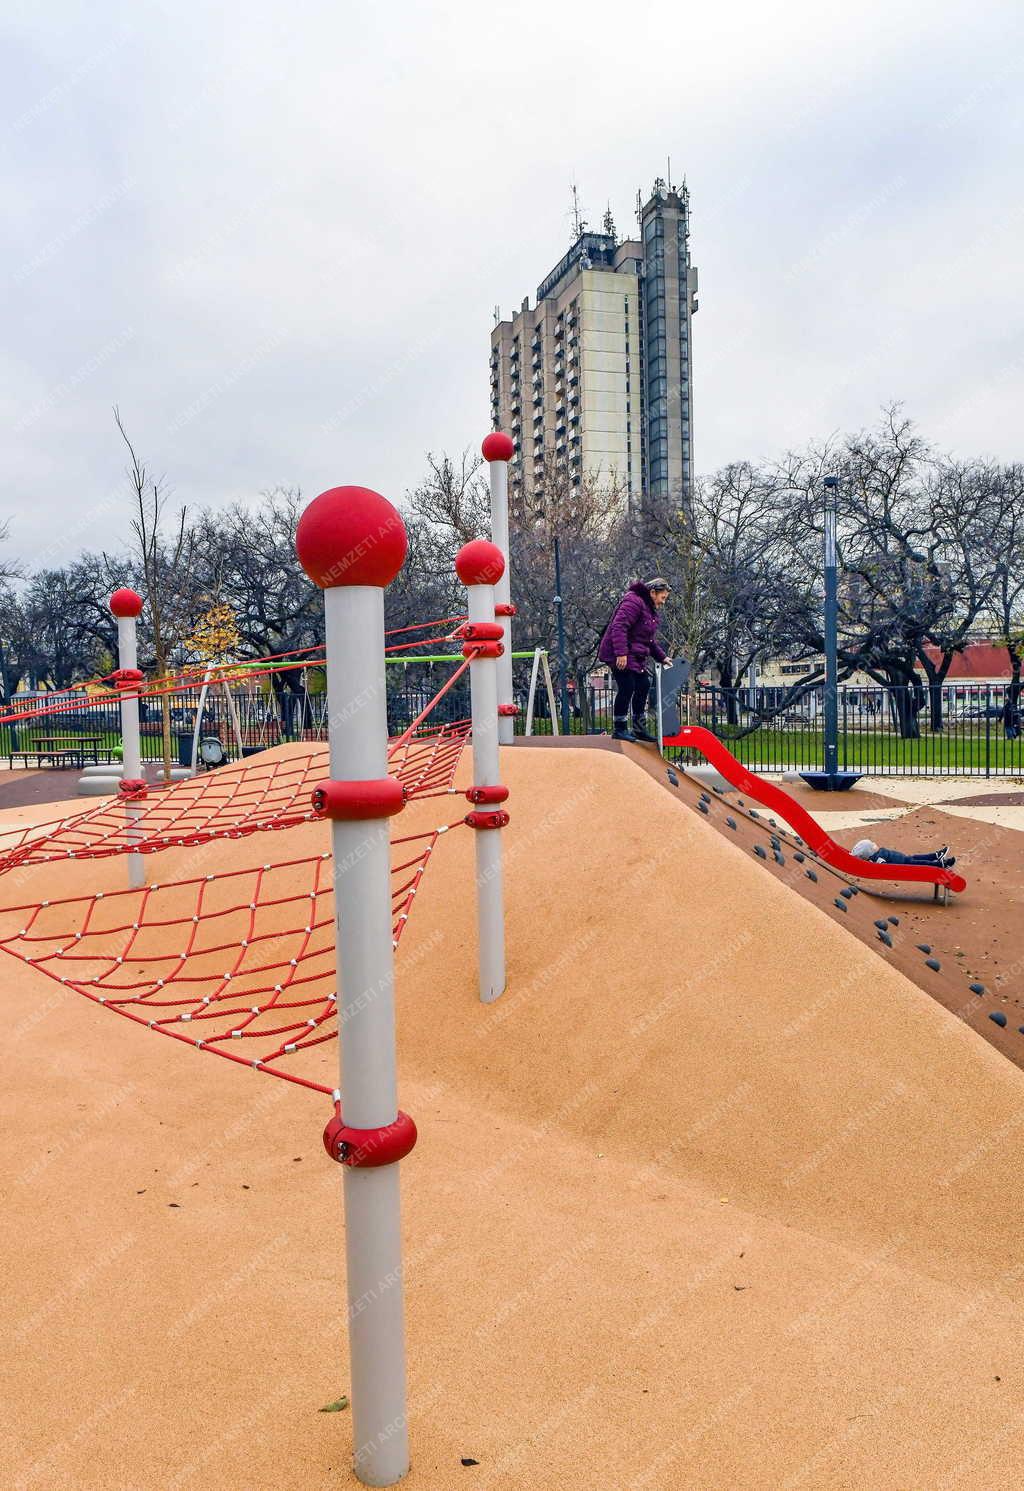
{"type": "Point", "coordinates": [232, 713]}
{"type": "Point", "coordinates": [540, 663]}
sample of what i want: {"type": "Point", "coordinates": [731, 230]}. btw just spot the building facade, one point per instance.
{"type": "Point", "coordinates": [598, 374]}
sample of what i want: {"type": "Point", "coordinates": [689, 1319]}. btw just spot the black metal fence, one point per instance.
{"type": "Point", "coordinates": [960, 729]}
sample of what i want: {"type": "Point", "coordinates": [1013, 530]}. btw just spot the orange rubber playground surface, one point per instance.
{"type": "Point", "coordinates": [720, 1195]}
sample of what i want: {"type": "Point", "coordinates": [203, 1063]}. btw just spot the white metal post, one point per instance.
{"type": "Point", "coordinates": [357, 727]}
{"type": "Point", "coordinates": [531, 696]}
{"type": "Point", "coordinates": [126, 607]}
{"type": "Point", "coordinates": [352, 542]}
{"type": "Point", "coordinates": [197, 728]}
{"type": "Point", "coordinates": [478, 564]}
{"type": "Point", "coordinates": [498, 450]}
{"type": "Point", "coordinates": [545, 663]}
{"type": "Point", "coordinates": [233, 716]}
{"type": "Point", "coordinates": [657, 693]}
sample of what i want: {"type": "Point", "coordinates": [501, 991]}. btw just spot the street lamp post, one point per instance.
{"type": "Point", "coordinates": [831, 631]}
{"type": "Point", "coordinates": [562, 667]}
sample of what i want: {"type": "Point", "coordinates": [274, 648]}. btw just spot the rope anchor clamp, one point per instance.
{"type": "Point", "coordinates": [368, 1148]}
{"type": "Point", "coordinates": [480, 631]}
{"type": "Point", "coordinates": [497, 819]}
{"type": "Point", "coordinates": [487, 794]}
{"type": "Point", "coordinates": [381, 797]}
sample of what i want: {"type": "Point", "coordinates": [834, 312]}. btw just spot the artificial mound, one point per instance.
{"type": "Point", "coordinates": [711, 1198]}
{"type": "Point", "coordinates": [966, 955]}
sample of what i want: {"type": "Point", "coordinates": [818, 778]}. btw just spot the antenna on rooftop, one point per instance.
{"type": "Point", "coordinates": [579, 222]}
{"type": "Point", "coordinates": [608, 222]}
{"type": "Point", "coordinates": [497, 314]}
{"type": "Point", "coordinates": [668, 177]}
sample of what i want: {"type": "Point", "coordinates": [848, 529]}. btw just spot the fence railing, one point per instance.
{"type": "Point", "coordinates": [958, 730]}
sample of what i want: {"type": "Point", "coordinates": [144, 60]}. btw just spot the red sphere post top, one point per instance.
{"type": "Point", "coordinates": [351, 536]}
{"type": "Point", "coordinates": [480, 563]}
{"type": "Point", "coordinates": [125, 602]}
{"type": "Point", "coordinates": [497, 446]}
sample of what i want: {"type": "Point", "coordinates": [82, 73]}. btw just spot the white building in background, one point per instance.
{"type": "Point", "coordinates": [599, 373]}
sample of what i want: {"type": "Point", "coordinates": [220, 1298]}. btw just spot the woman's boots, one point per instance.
{"type": "Point", "coordinates": [637, 731]}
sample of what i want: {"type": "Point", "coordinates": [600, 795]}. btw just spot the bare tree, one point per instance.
{"type": "Point", "coordinates": [588, 515]}
{"type": "Point", "coordinates": [164, 546]}
{"type": "Point", "coordinates": [1005, 607]}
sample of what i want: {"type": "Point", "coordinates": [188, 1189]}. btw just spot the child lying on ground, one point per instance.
{"type": "Point", "coordinates": [867, 849]}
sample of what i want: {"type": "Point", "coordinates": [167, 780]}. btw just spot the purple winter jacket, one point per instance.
{"type": "Point", "coordinates": [630, 633]}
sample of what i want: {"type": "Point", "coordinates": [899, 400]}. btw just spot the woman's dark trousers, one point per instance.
{"type": "Point", "coordinates": [631, 690]}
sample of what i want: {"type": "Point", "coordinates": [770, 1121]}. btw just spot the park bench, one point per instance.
{"type": "Point", "coordinates": [56, 755]}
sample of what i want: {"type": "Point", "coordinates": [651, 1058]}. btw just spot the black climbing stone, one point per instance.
{"type": "Point", "coordinates": [672, 776]}
{"type": "Point", "coordinates": [997, 1017]}
{"type": "Point", "coordinates": [884, 937]}
{"type": "Point", "coordinates": [810, 875]}
{"type": "Point", "coordinates": [923, 947]}
{"type": "Point", "coordinates": [977, 988]}
{"type": "Point", "coordinates": [759, 852]}
{"type": "Point", "coordinates": [848, 892]}
{"type": "Point", "coordinates": [799, 857]}
{"type": "Point", "coordinates": [731, 822]}
{"type": "Point", "coordinates": [780, 859]}
{"type": "Point", "coordinates": [894, 921]}
{"type": "Point", "coordinates": [773, 823]}
{"type": "Point", "coordinates": [703, 808]}
{"type": "Point", "coordinates": [932, 963]}
{"type": "Point", "coordinates": [882, 925]}
{"type": "Point", "coordinates": [719, 790]}
{"type": "Point", "coordinates": [839, 903]}
{"type": "Point", "coordinates": [754, 813]}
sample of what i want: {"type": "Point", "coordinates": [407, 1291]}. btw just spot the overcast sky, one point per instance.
{"type": "Point", "coordinates": [275, 234]}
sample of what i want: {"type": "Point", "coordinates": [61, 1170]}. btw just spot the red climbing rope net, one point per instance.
{"type": "Point", "coordinates": [245, 798]}
{"type": "Point", "coordinates": [240, 963]}
{"type": "Point", "coordinates": [237, 962]}
{"type": "Point", "coordinates": [74, 701]}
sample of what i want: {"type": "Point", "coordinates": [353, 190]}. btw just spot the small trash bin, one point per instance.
{"type": "Point", "coordinates": [184, 748]}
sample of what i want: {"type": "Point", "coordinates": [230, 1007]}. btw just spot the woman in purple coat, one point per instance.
{"type": "Point", "coordinates": [627, 643]}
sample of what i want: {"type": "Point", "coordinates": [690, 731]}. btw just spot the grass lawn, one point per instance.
{"type": "Point", "coordinates": [958, 751]}
{"type": "Point", "coordinates": [27, 735]}
{"type": "Point", "coordinates": [968, 751]}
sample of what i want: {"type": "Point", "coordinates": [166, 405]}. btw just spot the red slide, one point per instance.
{"type": "Point", "coordinates": [694, 738]}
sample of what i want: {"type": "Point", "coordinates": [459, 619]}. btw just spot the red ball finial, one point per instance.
{"type": "Point", "coordinates": [498, 446]}
{"type": "Point", "coordinates": [125, 602]}
{"type": "Point", "coordinates": [479, 563]}
{"type": "Point", "coordinates": [351, 536]}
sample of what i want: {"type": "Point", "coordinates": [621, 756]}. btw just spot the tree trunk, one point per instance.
{"type": "Point", "coordinates": [936, 680]}
{"type": "Point", "coordinates": [582, 703]}
{"type": "Point", "coordinates": [902, 704]}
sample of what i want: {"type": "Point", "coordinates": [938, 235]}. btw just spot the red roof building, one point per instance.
{"type": "Point", "coordinates": [980, 662]}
